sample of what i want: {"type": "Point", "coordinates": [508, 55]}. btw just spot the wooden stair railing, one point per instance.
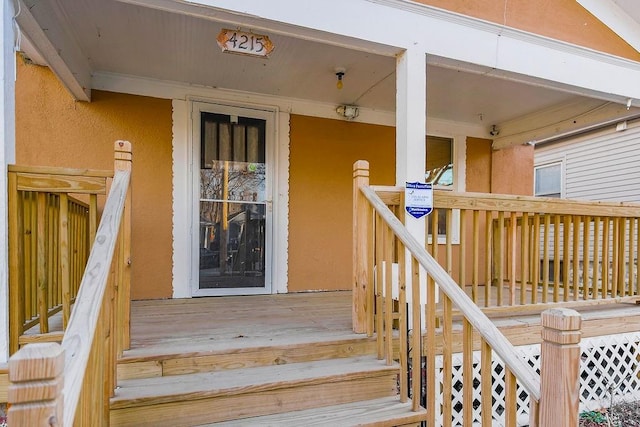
{"type": "Point", "coordinates": [381, 240]}
{"type": "Point", "coordinates": [71, 383]}
{"type": "Point", "coordinates": [50, 233]}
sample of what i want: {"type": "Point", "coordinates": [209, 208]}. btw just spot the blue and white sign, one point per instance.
{"type": "Point", "coordinates": [418, 198]}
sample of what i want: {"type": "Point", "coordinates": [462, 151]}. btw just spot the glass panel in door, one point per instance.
{"type": "Point", "coordinates": [232, 202]}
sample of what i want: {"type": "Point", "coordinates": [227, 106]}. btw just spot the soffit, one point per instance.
{"type": "Point", "coordinates": [127, 39]}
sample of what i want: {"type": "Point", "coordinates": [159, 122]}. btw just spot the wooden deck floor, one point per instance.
{"type": "Point", "coordinates": [238, 322]}
{"type": "Point", "coordinates": [223, 323]}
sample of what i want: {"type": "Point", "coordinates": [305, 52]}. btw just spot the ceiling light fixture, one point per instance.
{"type": "Point", "coordinates": [340, 72]}
{"type": "Point", "coordinates": [349, 112]}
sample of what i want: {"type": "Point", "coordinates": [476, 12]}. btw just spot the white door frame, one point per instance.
{"type": "Point", "coordinates": [182, 167]}
{"type": "Point", "coordinates": [269, 116]}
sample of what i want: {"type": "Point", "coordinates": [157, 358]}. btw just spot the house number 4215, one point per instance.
{"type": "Point", "coordinates": [234, 41]}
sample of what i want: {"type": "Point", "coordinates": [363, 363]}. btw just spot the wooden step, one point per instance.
{"type": "Point", "coordinates": [181, 360]}
{"type": "Point", "coordinates": [202, 398]}
{"type": "Point", "coordinates": [383, 412]}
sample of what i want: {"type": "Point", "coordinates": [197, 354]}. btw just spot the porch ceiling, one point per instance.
{"type": "Point", "coordinates": [80, 39]}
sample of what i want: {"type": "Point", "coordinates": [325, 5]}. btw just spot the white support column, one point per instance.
{"type": "Point", "coordinates": [7, 156]}
{"type": "Point", "coordinates": [411, 119]}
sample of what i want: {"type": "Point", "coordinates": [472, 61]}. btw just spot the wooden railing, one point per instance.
{"type": "Point", "coordinates": [70, 384]}
{"type": "Point", "coordinates": [536, 252]}
{"type": "Point", "coordinates": [50, 232]}
{"type": "Point", "coordinates": [381, 242]}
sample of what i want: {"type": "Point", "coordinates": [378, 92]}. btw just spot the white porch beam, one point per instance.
{"type": "Point", "coordinates": [559, 120]}
{"type": "Point", "coordinates": [43, 24]}
{"type": "Point", "coordinates": [7, 156]}
{"type": "Point", "coordinates": [411, 121]}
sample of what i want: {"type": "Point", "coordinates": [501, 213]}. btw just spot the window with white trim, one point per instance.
{"type": "Point", "coordinates": [547, 180]}
{"type": "Point", "coordinates": [440, 173]}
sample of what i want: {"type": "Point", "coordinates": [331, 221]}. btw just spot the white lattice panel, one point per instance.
{"type": "Point", "coordinates": [609, 370]}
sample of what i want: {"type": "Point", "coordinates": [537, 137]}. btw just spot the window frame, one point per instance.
{"type": "Point", "coordinates": [458, 160]}
{"type": "Point", "coordinates": [548, 164]}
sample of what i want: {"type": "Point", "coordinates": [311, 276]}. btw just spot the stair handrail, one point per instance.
{"type": "Point", "coordinates": [487, 329]}
{"type": "Point", "coordinates": [48, 380]}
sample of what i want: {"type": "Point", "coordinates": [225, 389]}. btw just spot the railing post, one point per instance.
{"type": "Point", "coordinates": [560, 368]}
{"type": "Point", "coordinates": [361, 307]}
{"type": "Point", "coordinates": [123, 159]}
{"type": "Point", "coordinates": [16, 266]}
{"type": "Point", "coordinates": [36, 381]}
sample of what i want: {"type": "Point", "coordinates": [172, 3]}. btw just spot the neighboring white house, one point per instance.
{"type": "Point", "coordinates": [600, 164]}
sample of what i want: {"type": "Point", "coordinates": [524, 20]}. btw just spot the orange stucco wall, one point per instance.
{"type": "Point", "coordinates": [512, 171]}
{"type": "Point", "coordinates": [559, 19]}
{"type": "Point", "coordinates": [320, 219]}
{"type": "Point", "coordinates": [478, 171]}
{"type": "Point", "coordinates": [54, 130]}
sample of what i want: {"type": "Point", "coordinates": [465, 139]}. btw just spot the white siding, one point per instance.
{"type": "Point", "coordinates": [602, 166]}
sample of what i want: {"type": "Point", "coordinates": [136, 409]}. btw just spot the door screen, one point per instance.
{"type": "Point", "coordinates": [232, 202]}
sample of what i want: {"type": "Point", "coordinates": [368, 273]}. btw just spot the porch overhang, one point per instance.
{"type": "Point", "coordinates": [485, 82]}
{"type": "Point", "coordinates": [49, 41]}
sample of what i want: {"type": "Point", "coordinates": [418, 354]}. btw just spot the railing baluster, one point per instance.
{"type": "Point", "coordinates": [448, 241]}
{"type": "Point", "coordinates": [535, 259]}
{"type": "Point", "coordinates": [416, 340]}
{"type": "Point", "coordinates": [524, 257]}
{"type": "Point", "coordinates": [631, 258]}
{"type": "Point", "coordinates": [545, 259]}
{"type": "Point", "coordinates": [379, 289]}
{"type": "Point", "coordinates": [566, 238]}
{"type": "Point", "coordinates": [510, 398]}
{"type": "Point", "coordinates": [32, 296]}
{"type": "Point", "coordinates": [488, 257]}
{"type": "Point", "coordinates": [467, 373]}
{"type": "Point", "coordinates": [402, 322]}
{"type": "Point", "coordinates": [556, 258]}
{"type": "Point", "coordinates": [64, 259]}
{"type": "Point", "coordinates": [637, 269]}
{"type": "Point", "coordinates": [615, 258]}
{"type": "Point", "coordinates": [51, 298]}
{"type": "Point", "coordinates": [486, 382]}
{"type": "Point", "coordinates": [41, 262]}
{"type": "Point", "coordinates": [387, 265]}
{"type": "Point", "coordinates": [499, 239]}
{"type": "Point", "coordinates": [475, 273]}
{"type": "Point", "coordinates": [513, 239]}
{"type": "Point", "coordinates": [606, 227]}
{"type": "Point", "coordinates": [622, 231]}
{"type": "Point", "coordinates": [462, 249]}
{"type": "Point", "coordinates": [576, 256]}
{"type": "Point", "coordinates": [586, 241]}
{"type": "Point", "coordinates": [369, 262]}
{"type": "Point", "coordinates": [596, 258]}
{"type": "Point", "coordinates": [447, 367]}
